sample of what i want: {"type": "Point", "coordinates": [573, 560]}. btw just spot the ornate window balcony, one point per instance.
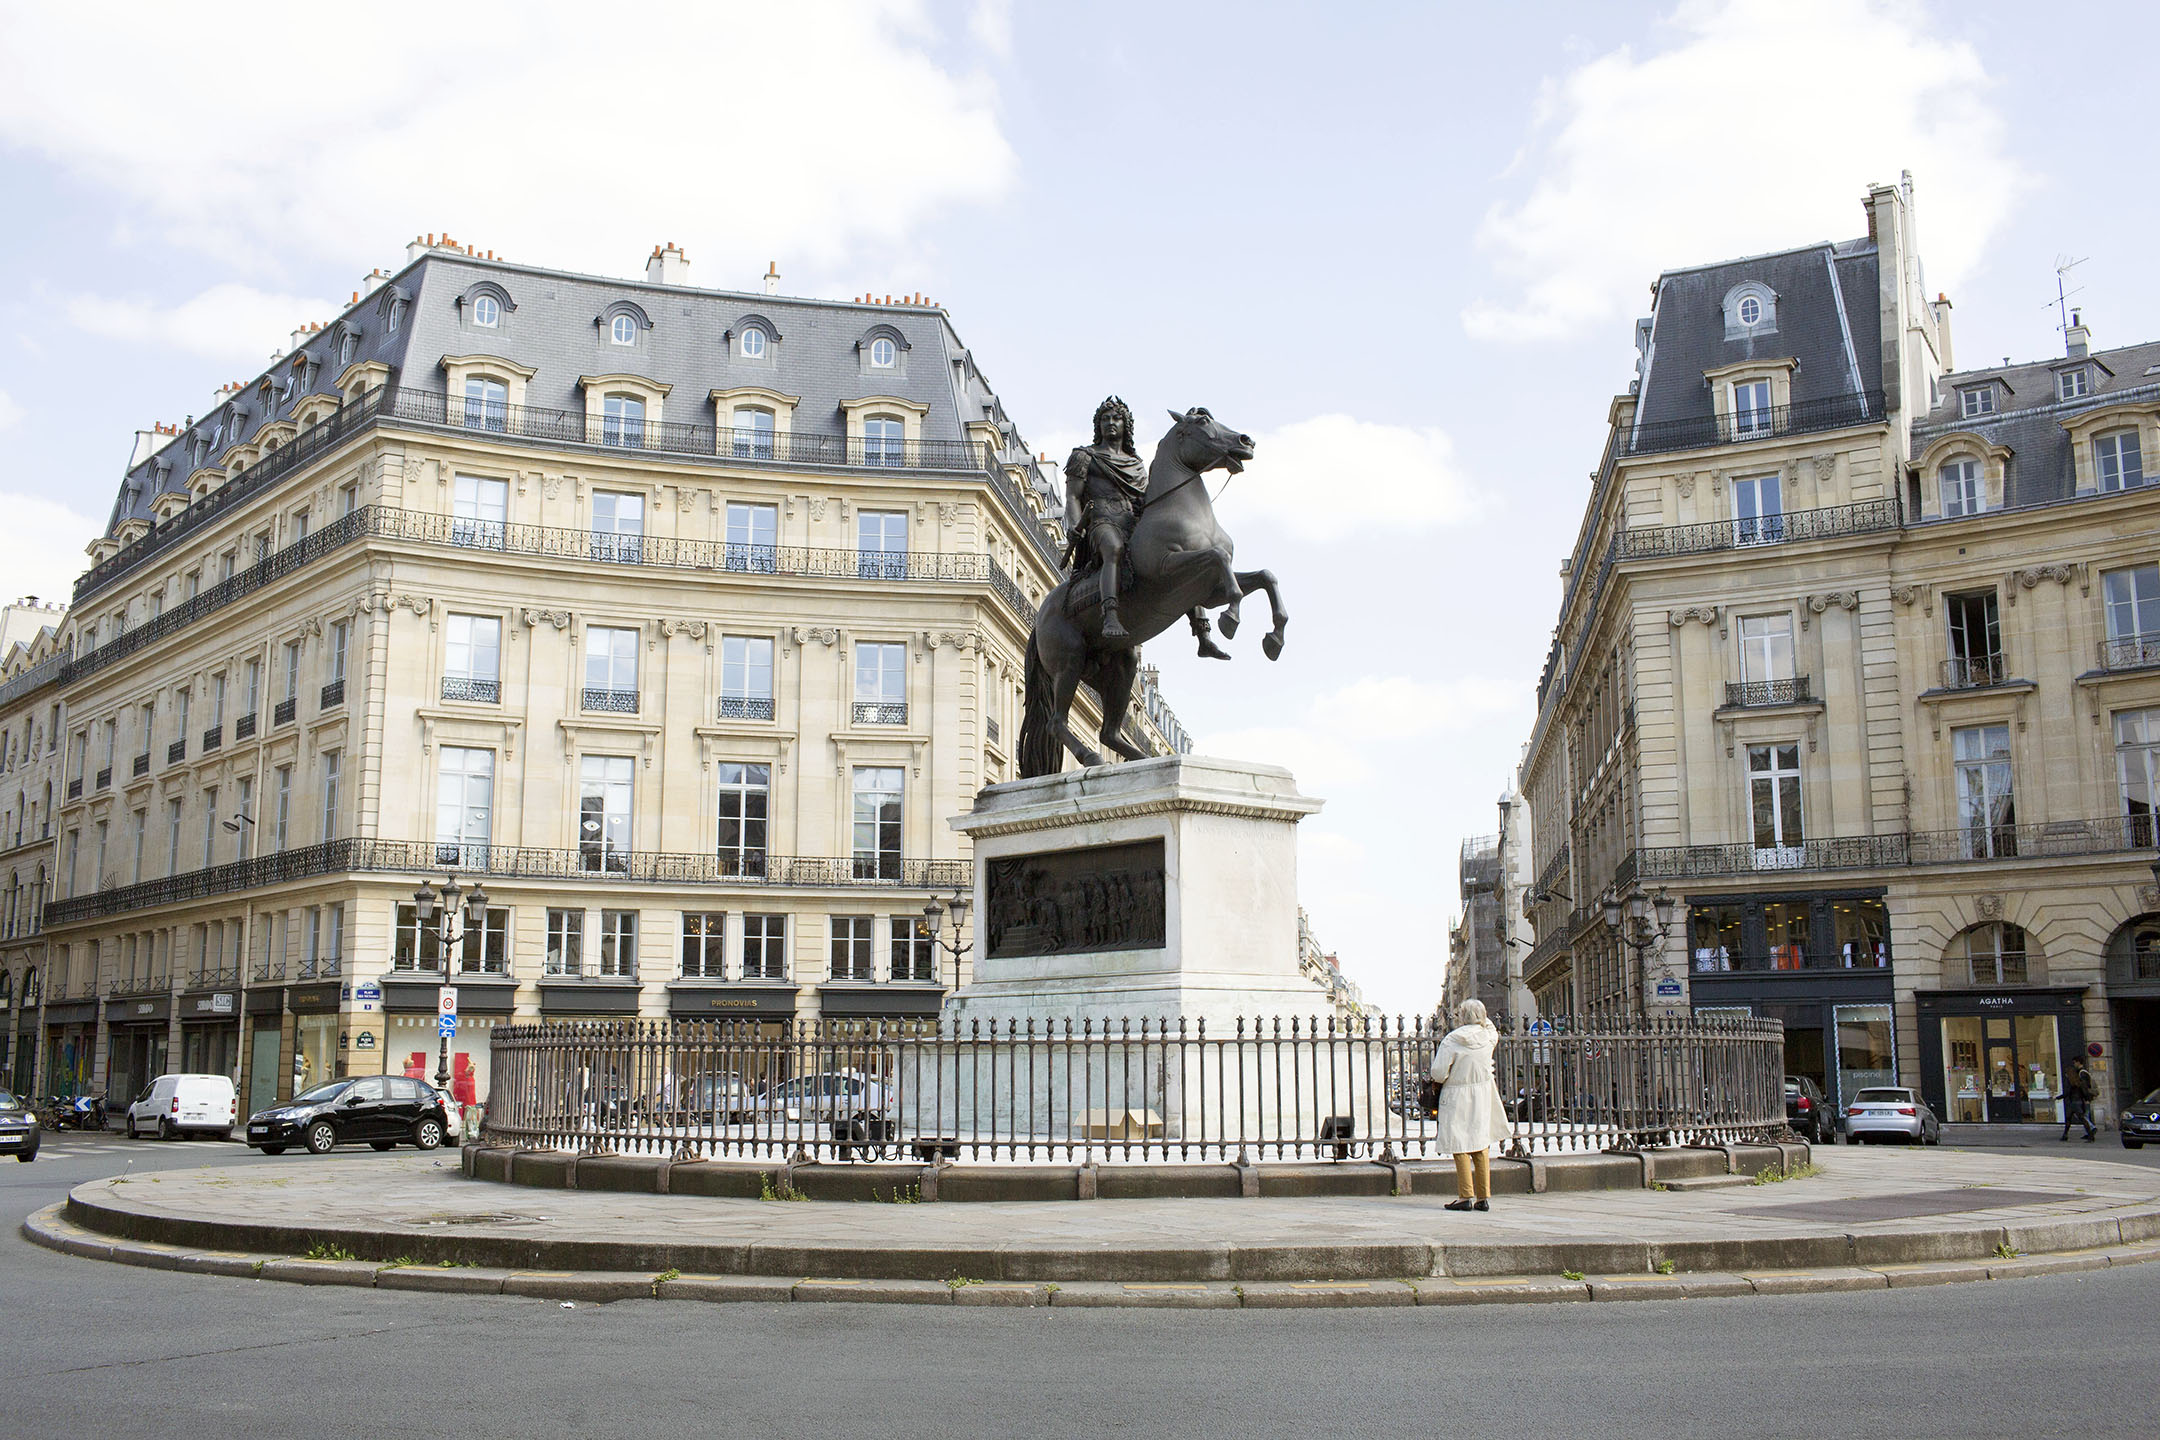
{"type": "Point", "coordinates": [1974, 672]}
{"type": "Point", "coordinates": [141, 766]}
{"type": "Point", "coordinates": [213, 737]}
{"type": "Point", "coordinates": [74, 789]}
{"type": "Point", "coordinates": [879, 712]}
{"type": "Point", "coordinates": [613, 702]}
{"type": "Point", "coordinates": [1660, 541]}
{"type": "Point", "coordinates": [333, 695]}
{"type": "Point", "coordinates": [2131, 652]}
{"type": "Point", "coordinates": [746, 707]}
{"type": "Point", "coordinates": [285, 711]}
{"type": "Point", "coordinates": [477, 692]}
{"type": "Point", "coordinates": [104, 777]}
{"type": "Point", "coordinates": [243, 727]}
{"type": "Point", "coordinates": [1755, 694]}
{"type": "Point", "coordinates": [176, 752]}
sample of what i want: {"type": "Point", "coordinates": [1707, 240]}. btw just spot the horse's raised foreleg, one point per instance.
{"type": "Point", "coordinates": [1251, 580]}
{"type": "Point", "coordinates": [1232, 592]}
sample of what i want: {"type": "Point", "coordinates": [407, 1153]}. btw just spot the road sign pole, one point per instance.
{"type": "Point", "coordinates": [446, 1013]}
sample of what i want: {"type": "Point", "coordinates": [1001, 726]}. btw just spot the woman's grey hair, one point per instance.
{"type": "Point", "coordinates": [1471, 1012]}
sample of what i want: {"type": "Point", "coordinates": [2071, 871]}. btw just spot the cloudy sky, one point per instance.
{"type": "Point", "coordinates": [1401, 244]}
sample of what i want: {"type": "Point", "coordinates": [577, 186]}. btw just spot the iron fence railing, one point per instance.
{"type": "Point", "coordinates": [213, 737]}
{"type": "Point", "coordinates": [614, 702]}
{"type": "Point", "coordinates": [482, 692]}
{"type": "Point", "coordinates": [157, 982]}
{"type": "Point", "coordinates": [2048, 839]}
{"type": "Point", "coordinates": [140, 765]}
{"type": "Point", "coordinates": [283, 712]}
{"type": "Point", "coordinates": [1747, 694]}
{"type": "Point", "coordinates": [1973, 672]}
{"type": "Point", "coordinates": [517, 862]}
{"type": "Point", "coordinates": [333, 695]}
{"type": "Point", "coordinates": [1712, 535]}
{"type": "Point", "coordinates": [1115, 1091]}
{"type": "Point", "coordinates": [2130, 652]}
{"type": "Point", "coordinates": [746, 707]}
{"type": "Point", "coordinates": [37, 677]}
{"type": "Point", "coordinates": [1828, 412]}
{"type": "Point", "coordinates": [879, 712]}
{"type": "Point", "coordinates": [244, 727]}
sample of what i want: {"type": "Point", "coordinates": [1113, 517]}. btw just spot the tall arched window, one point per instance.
{"type": "Point", "coordinates": [1995, 953]}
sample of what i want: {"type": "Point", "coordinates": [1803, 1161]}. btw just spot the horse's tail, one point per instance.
{"type": "Point", "coordinates": [1041, 751]}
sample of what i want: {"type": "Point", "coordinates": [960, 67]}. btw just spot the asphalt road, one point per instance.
{"type": "Point", "coordinates": [102, 1349]}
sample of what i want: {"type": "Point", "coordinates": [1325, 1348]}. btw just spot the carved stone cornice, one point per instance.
{"type": "Point", "coordinates": [695, 629]}
{"type": "Point", "coordinates": [420, 605]}
{"type": "Point", "coordinates": [823, 634]}
{"type": "Point", "coordinates": [533, 619]}
{"type": "Point", "coordinates": [2062, 574]}
{"type": "Point", "coordinates": [1841, 599]}
{"type": "Point", "coordinates": [1707, 614]}
{"type": "Point", "coordinates": [1921, 595]}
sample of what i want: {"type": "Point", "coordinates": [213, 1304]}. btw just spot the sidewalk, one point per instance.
{"type": "Point", "coordinates": [1873, 1218]}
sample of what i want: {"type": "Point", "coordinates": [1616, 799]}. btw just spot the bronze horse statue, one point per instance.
{"type": "Point", "coordinates": [1180, 561]}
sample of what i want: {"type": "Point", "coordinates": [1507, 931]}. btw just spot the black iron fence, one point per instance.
{"type": "Point", "coordinates": [2047, 839]}
{"type": "Point", "coordinates": [2130, 652]}
{"type": "Point", "coordinates": [1973, 672]}
{"type": "Point", "coordinates": [1747, 694]}
{"type": "Point", "coordinates": [1712, 535]}
{"type": "Point", "coordinates": [518, 862]}
{"type": "Point", "coordinates": [1114, 1091]}
{"type": "Point", "coordinates": [1828, 412]}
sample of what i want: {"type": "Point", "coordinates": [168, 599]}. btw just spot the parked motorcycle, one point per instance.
{"type": "Point", "coordinates": [75, 1112]}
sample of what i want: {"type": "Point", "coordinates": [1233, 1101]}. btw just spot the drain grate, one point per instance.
{"type": "Point", "coordinates": [448, 1217]}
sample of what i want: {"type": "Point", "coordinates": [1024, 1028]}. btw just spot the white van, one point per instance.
{"type": "Point", "coordinates": [172, 1106]}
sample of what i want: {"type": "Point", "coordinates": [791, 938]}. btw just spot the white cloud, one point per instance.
{"type": "Point", "coordinates": [752, 131]}
{"type": "Point", "coordinates": [1366, 474]}
{"type": "Point", "coordinates": [41, 546]}
{"type": "Point", "coordinates": [1698, 152]}
{"type": "Point", "coordinates": [990, 23]}
{"type": "Point", "coordinates": [226, 322]}
{"type": "Point", "coordinates": [10, 412]}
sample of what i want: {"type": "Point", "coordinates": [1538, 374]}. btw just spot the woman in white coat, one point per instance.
{"type": "Point", "coordinates": [1473, 1117]}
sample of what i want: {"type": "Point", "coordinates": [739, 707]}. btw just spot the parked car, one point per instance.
{"type": "Point", "coordinates": [19, 1130]}
{"type": "Point", "coordinates": [2141, 1122]}
{"type": "Point", "coordinates": [173, 1107]}
{"type": "Point", "coordinates": [1885, 1111]}
{"type": "Point", "coordinates": [380, 1110]}
{"type": "Point", "coordinates": [835, 1094]}
{"type": "Point", "coordinates": [717, 1100]}
{"type": "Point", "coordinates": [1807, 1112]}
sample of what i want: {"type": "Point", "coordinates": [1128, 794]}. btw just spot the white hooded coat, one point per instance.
{"type": "Point", "coordinates": [1472, 1114]}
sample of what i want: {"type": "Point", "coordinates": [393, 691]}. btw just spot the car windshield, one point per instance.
{"type": "Point", "coordinates": [8, 1101]}
{"type": "Point", "coordinates": [2151, 1099]}
{"type": "Point", "coordinates": [1884, 1097]}
{"type": "Point", "coordinates": [321, 1093]}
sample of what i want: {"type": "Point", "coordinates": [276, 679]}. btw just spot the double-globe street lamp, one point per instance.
{"type": "Point", "coordinates": [934, 915]}
{"type": "Point", "coordinates": [1628, 917]}
{"type": "Point", "coordinates": [472, 917]}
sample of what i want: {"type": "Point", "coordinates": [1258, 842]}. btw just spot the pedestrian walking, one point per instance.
{"type": "Point", "coordinates": [1473, 1117]}
{"type": "Point", "coordinates": [2077, 1103]}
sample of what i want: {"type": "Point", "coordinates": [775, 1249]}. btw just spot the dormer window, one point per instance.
{"type": "Point", "coordinates": [1750, 408]}
{"type": "Point", "coordinates": [882, 353]}
{"type": "Point", "coordinates": [623, 330]}
{"type": "Point", "coordinates": [487, 312]}
{"type": "Point", "coordinates": [1749, 310]}
{"type": "Point", "coordinates": [2072, 384]}
{"type": "Point", "coordinates": [1962, 493]}
{"type": "Point", "coordinates": [753, 343]}
{"type": "Point", "coordinates": [2119, 459]}
{"type": "Point", "coordinates": [1980, 401]}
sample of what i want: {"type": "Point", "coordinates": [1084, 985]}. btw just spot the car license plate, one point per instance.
{"type": "Point", "coordinates": [258, 1129]}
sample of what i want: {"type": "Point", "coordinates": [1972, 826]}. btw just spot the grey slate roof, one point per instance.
{"type": "Point", "coordinates": [2029, 420]}
{"type": "Point", "coordinates": [1688, 333]}
{"type": "Point", "coordinates": [553, 329]}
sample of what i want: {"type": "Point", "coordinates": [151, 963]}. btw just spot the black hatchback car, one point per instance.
{"type": "Point", "coordinates": [19, 1132]}
{"type": "Point", "coordinates": [1807, 1112]}
{"type": "Point", "coordinates": [379, 1110]}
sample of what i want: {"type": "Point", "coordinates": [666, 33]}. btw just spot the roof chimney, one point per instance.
{"type": "Point", "coordinates": [772, 277]}
{"type": "Point", "coordinates": [299, 338]}
{"type": "Point", "coordinates": [1941, 307]}
{"type": "Point", "coordinates": [2077, 340]}
{"type": "Point", "coordinates": [373, 280]}
{"type": "Point", "coordinates": [146, 444]}
{"type": "Point", "coordinates": [668, 266]}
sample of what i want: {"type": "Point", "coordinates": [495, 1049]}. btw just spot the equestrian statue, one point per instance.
{"type": "Point", "coordinates": [1145, 550]}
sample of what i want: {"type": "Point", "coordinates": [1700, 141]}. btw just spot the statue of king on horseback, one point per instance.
{"type": "Point", "coordinates": [1145, 550]}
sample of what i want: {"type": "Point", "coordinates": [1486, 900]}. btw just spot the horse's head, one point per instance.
{"type": "Point", "coordinates": [1204, 443]}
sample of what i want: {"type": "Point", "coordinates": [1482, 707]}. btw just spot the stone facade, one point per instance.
{"type": "Point", "coordinates": [1861, 677]}
{"type": "Point", "coordinates": [31, 725]}
{"type": "Point", "coordinates": [679, 620]}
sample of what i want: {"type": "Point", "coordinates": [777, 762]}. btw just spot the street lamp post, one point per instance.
{"type": "Point", "coordinates": [1628, 917]}
{"type": "Point", "coordinates": [934, 916]}
{"type": "Point", "coordinates": [472, 917]}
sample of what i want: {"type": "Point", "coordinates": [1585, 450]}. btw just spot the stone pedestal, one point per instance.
{"type": "Point", "coordinates": [1163, 890]}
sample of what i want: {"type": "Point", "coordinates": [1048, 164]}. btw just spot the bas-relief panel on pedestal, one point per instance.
{"type": "Point", "coordinates": [1076, 902]}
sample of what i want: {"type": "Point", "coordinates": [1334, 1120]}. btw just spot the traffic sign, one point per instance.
{"type": "Point", "coordinates": [446, 1027]}
{"type": "Point", "coordinates": [1541, 1027]}
{"type": "Point", "coordinates": [446, 1000]}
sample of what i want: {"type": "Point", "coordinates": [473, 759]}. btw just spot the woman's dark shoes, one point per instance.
{"type": "Point", "coordinates": [1458, 1205]}
{"type": "Point", "coordinates": [1482, 1205]}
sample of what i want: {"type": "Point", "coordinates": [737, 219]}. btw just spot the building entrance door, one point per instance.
{"type": "Point", "coordinates": [2005, 1106]}
{"type": "Point", "coordinates": [263, 1067]}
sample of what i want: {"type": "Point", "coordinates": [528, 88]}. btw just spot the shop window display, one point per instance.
{"type": "Point", "coordinates": [2002, 1069]}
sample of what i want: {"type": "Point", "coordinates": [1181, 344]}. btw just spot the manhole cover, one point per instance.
{"type": "Point", "coordinates": [446, 1217]}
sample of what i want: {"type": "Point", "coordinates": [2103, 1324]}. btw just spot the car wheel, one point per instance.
{"type": "Point", "coordinates": [132, 1132]}
{"type": "Point", "coordinates": [427, 1132]}
{"type": "Point", "coordinates": [165, 1130]}
{"type": "Point", "coordinates": [26, 1156]}
{"type": "Point", "coordinates": [2133, 1144]}
{"type": "Point", "coordinates": [273, 1149]}
{"type": "Point", "coordinates": [321, 1138]}
{"type": "Point", "coordinates": [383, 1144]}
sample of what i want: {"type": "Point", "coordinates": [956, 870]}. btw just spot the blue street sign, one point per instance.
{"type": "Point", "coordinates": [1541, 1027]}
{"type": "Point", "coordinates": [367, 992]}
{"type": "Point", "coordinates": [447, 1027]}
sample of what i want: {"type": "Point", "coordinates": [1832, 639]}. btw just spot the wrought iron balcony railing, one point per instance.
{"type": "Point", "coordinates": [156, 982]}
{"type": "Point", "coordinates": [616, 702]}
{"type": "Point", "coordinates": [746, 707]}
{"type": "Point", "coordinates": [326, 967]}
{"type": "Point", "coordinates": [478, 692]}
{"type": "Point", "coordinates": [2039, 840]}
{"type": "Point", "coordinates": [244, 726]}
{"type": "Point", "coordinates": [1709, 536]}
{"type": "Point", "coordinates": [176, 752]}
{"type": "Point", "coordinates": [283, 712]}
{"type": "Point", "coordinates": [1973, 672]}
{"type": "Point", "coordinates": [880, 712]}
{"type": "Point", "coordinates": [104, 777]}
{"type": "Point", "coordinates": [213, 737]}
{"type": "Point", "coordinates": [990, 729]}
{"type": "Point", "coordinates": [516, 862]}
{"type": "Point", "coordinates": [140, 766]}
{"type": "Point", "coordinates": [1749, 694]}
{"type": "Point", "coordinates": [75, 789]}
{"type": "Point", "coordinates": [1829, 412]}
{"type": "Point", "coordinates": [333, 695]}
{"type": "Point", "coordinates": [2130, 652]}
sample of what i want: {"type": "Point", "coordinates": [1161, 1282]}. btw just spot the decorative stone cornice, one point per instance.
{"type": "Point", "coordinates": [695, 629]}
{"type": "Point", "coordinates": [1707, 614]}
{"type": "Point", "coordinates": [533, 619]}
{"type": "Point", "coordinates": [2062, 574]}
{"type": "Point", "coordinates": [823, 634]}
{"type": "Point", "coordinates": [1841, 599]}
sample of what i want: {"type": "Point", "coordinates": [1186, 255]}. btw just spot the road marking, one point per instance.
{"type": "Point", "coordinates": [832, 1282]}
{"type": "Point", "coordinates": [1164, 1285]}
{"type": "Point", "coordinates": [1330, 1285]}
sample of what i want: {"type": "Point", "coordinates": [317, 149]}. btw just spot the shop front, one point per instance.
{"type": "Point", "coordinates": [265, 1006]}
{"type": "Point", "coordinates": [70, 1047]}
{"type": "Point", "coordinates": [1998, 1057]}
{"type": "Point", "coordinates": [137, 1029]}
{"type": "Point", "coordinates": [315, 1054]}
{"type": "Point", "coordinates": [567, 999]}
{"type": "Point", "coordinates": [1819, 963]}
{"type": "Point", "coordinates": [880, 1002]}
{"type": "Point", "coordinates": [210, 1033]}
{"type": "Point", "coordinates": [415, 1042]}
{"type": "Point", "coordinates": [2133, 987]}
{"type": "Point", "coordinates": [747, 1023]}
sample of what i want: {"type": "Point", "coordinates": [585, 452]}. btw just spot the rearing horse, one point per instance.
{"type": "Point", "coordinates": [1181, 566]}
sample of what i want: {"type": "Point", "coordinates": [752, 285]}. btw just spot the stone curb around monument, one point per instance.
{"type": "Point", "coordinates": [883, 1180]}
{"type": "Point", "coordinates": [50, 1228]}
{"type": "Point", "coordinates": [53, 1229]}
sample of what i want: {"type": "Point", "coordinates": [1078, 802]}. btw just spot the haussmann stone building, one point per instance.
{"type": "Point", "coordinates": [681, 620]}
{"type": "Point", "coordinates": [1858, 662]}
